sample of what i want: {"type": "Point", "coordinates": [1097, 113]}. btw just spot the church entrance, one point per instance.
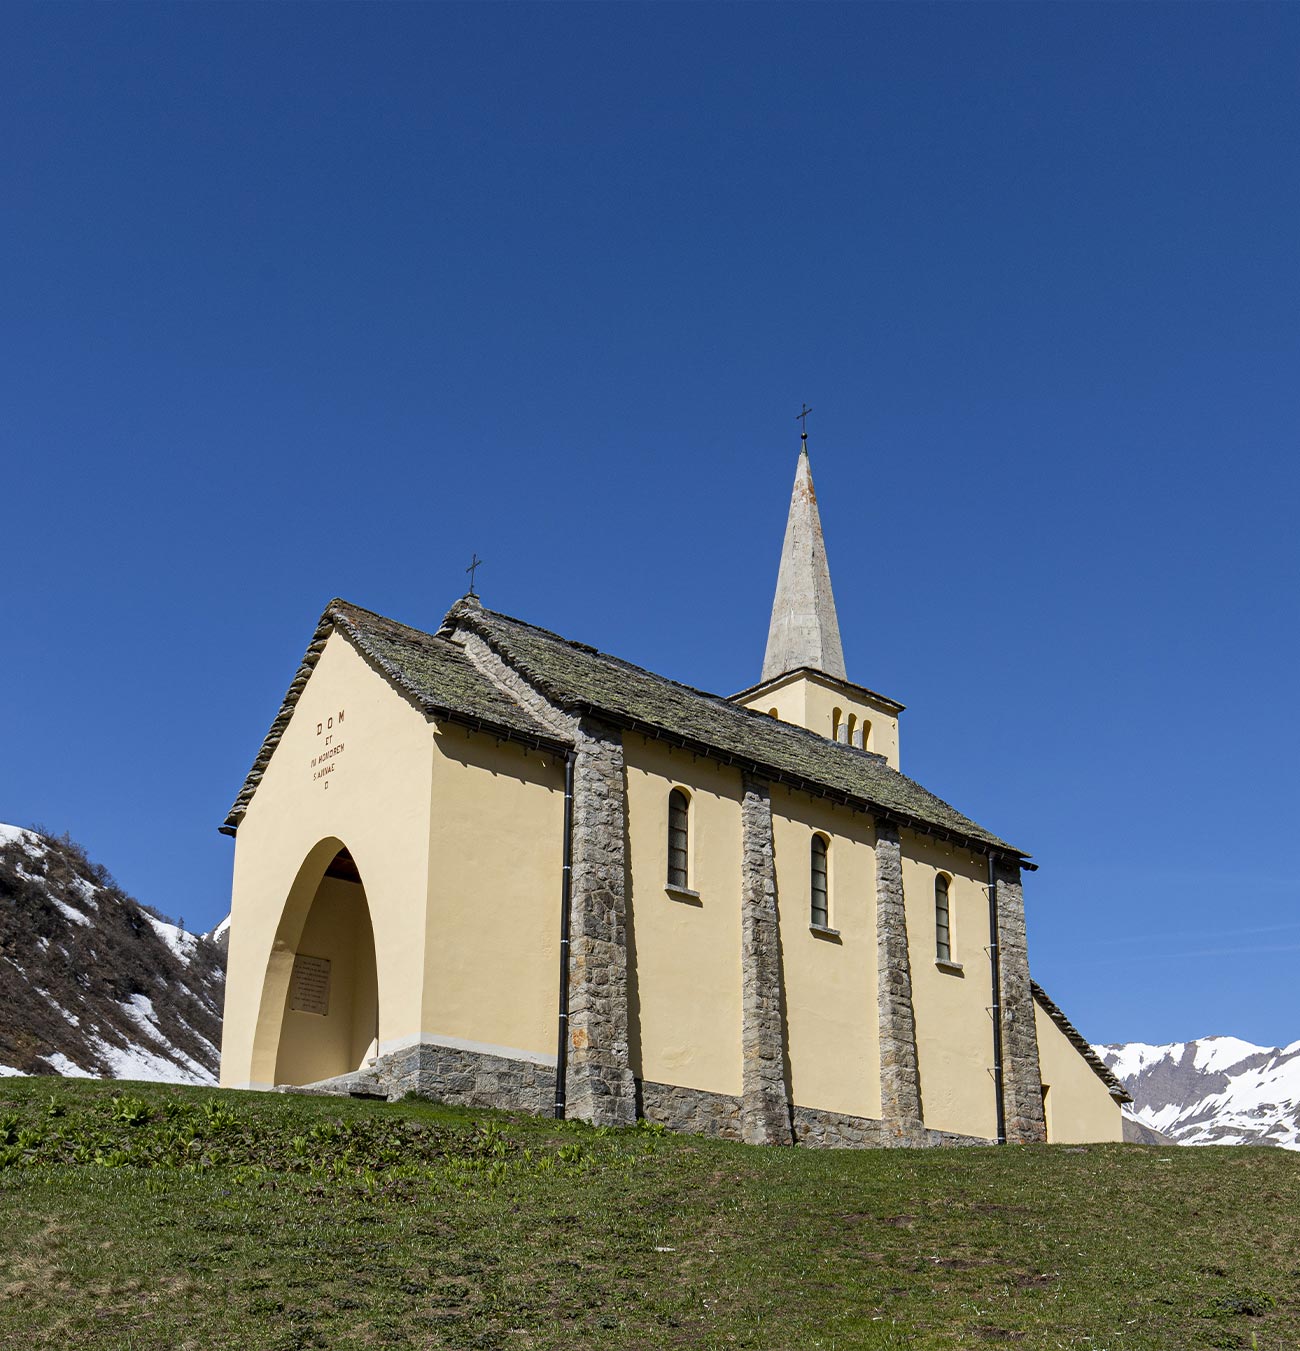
{"type": "Point", "coordinates": [330, 1022]}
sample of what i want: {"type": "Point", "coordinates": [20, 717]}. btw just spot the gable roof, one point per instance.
{"type": "Point", "coordinates": [433, 672]}
{"type": "Point", "coordinates": [428, 669]}
{"type": "Point", "coordinates": [1076, 1039]}
{"type": "Point", "coordinates": [581, 680]}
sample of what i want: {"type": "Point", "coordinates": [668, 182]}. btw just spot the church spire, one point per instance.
{"type": "Point", "coordinates": [804, 630]}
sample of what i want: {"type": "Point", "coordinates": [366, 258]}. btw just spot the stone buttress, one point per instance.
{"type": "Point", "coordinates": [1022, 1092]}
{"type": "Point", "coordinates": [600, 1084]}
{"type": "Point", "coordinates": [599, 1081]}
{"type": "Point", "coordinates": [765, 1100]}
{"type": "Point", "coordinates": [900, 1079]}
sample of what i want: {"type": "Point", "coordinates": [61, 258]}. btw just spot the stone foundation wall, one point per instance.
{"type": "Point", "coordinates": [464, 1078]}
{"type": "Point", "coordinates": [693, 1110]}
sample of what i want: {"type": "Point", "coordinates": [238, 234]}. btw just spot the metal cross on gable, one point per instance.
{"type": "Point", "coordinates": [803, 419]}
{"type": "Point", "coordinates": [475, 563]}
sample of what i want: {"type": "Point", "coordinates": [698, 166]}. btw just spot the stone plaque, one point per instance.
{"type": "Point", "coordinates": [309, 988]}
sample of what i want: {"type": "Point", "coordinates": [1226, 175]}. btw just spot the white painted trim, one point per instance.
{"type": "Point", "coordinates": [461, 1044]}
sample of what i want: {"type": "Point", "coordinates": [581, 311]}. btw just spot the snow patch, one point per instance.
{"type": "Point", "coordinates": [29, 838]}
{"type": "Point", "coordinates": [1216, 1055]}
{"type": "Point", "coordinates": [1127, 1062]}
{"type": "Point", "coordinates": [8, 1072]}
{"type": "Point", "coordinates": [180, 942]}
{"type": "Point", "coordinates": [68, 912]}
{"type": "Point", "coordinates": [135, 1062]}
{"type": "Point", "coordinates": [141, 1011]}
{"type": "Point", "coordinates": [60, 1064]}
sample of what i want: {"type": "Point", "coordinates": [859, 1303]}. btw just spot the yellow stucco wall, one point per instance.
{"type": "Point", "coordinates": [1078, 1105]}
{"type": "Point", "coordinates": [810, 702]}
{"type": "Point", "coordinates": [491, 944]}
{"type": "Point", "coordinates": [374, 800]}
{"type": "Point", "coordinates": [830, 982]}
{"type": "Point", "coordinates": [684, 952]}
{"type": "Point", "coordinates": [954, 1031]}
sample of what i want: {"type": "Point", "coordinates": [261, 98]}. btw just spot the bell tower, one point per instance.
{"type": "Point", "coordinates": [804, 680]}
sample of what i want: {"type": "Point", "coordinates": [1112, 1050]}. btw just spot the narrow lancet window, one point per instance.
{"type": "Point", "coordinates": [942, 931]}
{"type": "Point", "coordinates": [679, 825]}
{"type": "Point", "coordinates": [821, 915]}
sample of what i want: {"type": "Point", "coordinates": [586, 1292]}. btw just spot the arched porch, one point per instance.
{"type": "Point", "coordinates": [320, 1003]}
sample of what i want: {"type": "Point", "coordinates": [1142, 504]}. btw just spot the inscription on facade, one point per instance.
{"type": "Point", "coordinates": [309, 987]}
{"type": "Point", "coordinates": [329, 746]}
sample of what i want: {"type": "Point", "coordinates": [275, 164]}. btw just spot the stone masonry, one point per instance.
{"type": "Point", "coordinates": [766, 1104]}
{"type": "Point", "coordinates": [694, 1110]}
{"type": "Point", "coordinates": [600, 1084]}
{"type": "Point", "coordinates": [1022, 1092]}
{"type": "Point", "coordinates": [451, 1074]}
{"type": "Point", "coordinates": [468, 1078]}
{"type": "Point", "coordinates": [900, 1079]}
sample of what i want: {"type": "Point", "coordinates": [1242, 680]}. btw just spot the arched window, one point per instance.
{"type": "Point", "coordinates": [836, 718]}
{"type": "Point", "coordinates": [942, 929]}
{"type": "Point", "coordinates": [852, 737]}
{"type": "Point", "coordinates": [821, 914]}
{"type": "Point", "coordinates": [864, 735]}
{"type": "Point", "coordinates": [679, 837]}
{"type": "Point", "coordinates": [773, 713]}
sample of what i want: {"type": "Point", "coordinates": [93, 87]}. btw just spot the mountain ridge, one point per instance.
{"type": "Point", "coordinates": [1217, 1090]}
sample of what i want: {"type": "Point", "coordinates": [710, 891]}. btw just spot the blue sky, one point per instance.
{"type": "Point", "coordinates": [303, 301]}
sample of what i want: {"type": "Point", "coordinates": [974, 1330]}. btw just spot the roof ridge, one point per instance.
{"type": "Point", "coordinates": [728, 702]}
{"type": "Point", "coordinates": [792, 731]}
{"type": "Point", "coordinates": [654, 675]}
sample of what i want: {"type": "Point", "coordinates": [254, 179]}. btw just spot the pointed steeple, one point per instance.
{"type": "Point", "coordinates": [804, 630]}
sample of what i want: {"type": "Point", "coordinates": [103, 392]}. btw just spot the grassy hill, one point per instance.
{"type": "Point", "coordinates": [150, 1216]}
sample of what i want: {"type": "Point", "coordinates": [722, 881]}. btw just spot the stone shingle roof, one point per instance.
{"type": "Point", "coordinates": [430, 670]}
{"type": "Point", "coordinates": [581, 679]}
{"type": "Point", "coordinates": [1075, 1038]}
{"type": "Point", "coordinates": [435, 674]}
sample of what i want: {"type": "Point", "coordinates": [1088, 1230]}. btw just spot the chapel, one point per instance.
{"type": "Point", "coordinates": [501, 868]}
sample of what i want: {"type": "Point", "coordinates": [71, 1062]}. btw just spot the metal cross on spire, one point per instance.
{"type": "Point", "coordinates": [803, 419]}
{"type": "Point", "coordinates": [475, 563]}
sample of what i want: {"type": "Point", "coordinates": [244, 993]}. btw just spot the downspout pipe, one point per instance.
{"type": "Point", "coordinates": [566, 906]}
{"type": "Point", "coordinates": [995, 966]}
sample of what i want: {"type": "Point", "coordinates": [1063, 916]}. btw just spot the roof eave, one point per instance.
{"type": "Point", "coordinates": [887, 704]}
{"type": "Point", "coordinates": [1080, 1044]}
{"type": "Point", "coordinates": [334, 621]}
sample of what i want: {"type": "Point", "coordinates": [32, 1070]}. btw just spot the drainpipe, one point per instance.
{"type": "Point", "coordinates": [566, 894]}
{"type": "Point", "coordinates": [996, 1010]}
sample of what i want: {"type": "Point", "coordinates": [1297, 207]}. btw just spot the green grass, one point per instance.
{"type": "Point", "coordinates": [139, 1216]}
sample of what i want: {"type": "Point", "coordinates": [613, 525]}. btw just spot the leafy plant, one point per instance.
{"type": "Point", "coordinates": [133, 1111]}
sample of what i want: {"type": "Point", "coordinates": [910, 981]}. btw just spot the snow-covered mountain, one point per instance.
{"type": "Point", "coordinates": [94, 984]}
{"type": "Point", "coordinates": [1215, 1091]}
